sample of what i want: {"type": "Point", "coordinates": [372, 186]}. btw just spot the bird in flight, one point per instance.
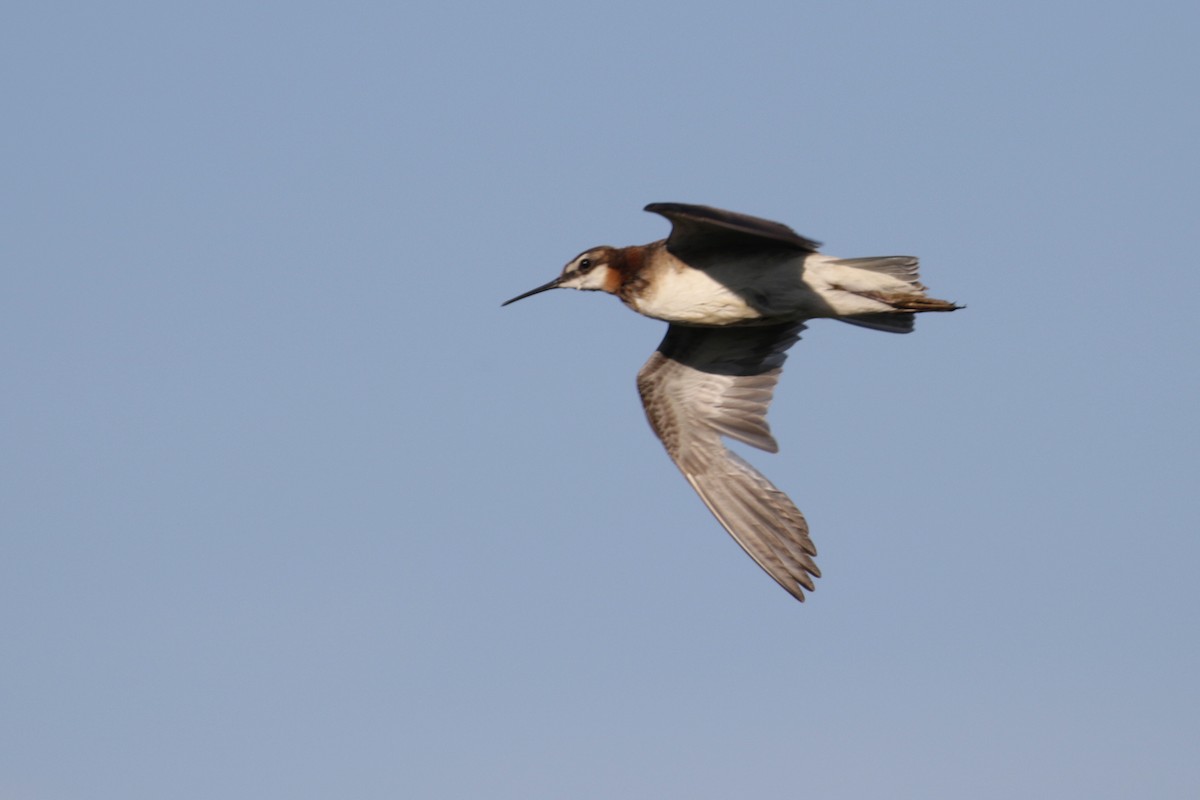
{"type": "Point", "coordinates": [736, 291]}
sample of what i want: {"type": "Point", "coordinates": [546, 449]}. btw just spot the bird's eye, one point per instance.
{"type": "Point", "coordinates": [585, 264]}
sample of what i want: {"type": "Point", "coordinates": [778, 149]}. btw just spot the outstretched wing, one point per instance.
{"type": "Point", "coordinates": [696, 229]}
{"type": "Point", "coordinates": [705, 383]}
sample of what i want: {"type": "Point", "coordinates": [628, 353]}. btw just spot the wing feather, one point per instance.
{"type": "Point", "coordinates": [705, 383]}
{"type": "Point", "coordinates": [704, 229]}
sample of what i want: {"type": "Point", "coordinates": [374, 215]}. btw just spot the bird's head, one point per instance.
{"type": "Point", "coordinates": [592, 270]}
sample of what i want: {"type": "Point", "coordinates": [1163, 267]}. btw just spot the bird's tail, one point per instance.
{"type": "Point", "coordinates": [907, 298]}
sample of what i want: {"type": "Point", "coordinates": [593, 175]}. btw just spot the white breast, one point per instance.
{"type": "Point", "coordinates": [693, 297]}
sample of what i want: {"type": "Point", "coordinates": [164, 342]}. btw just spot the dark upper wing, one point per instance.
{"type": "Point", "coordinates": [702, 228]}
{"type": "Point", "coordinates": [705, 383]}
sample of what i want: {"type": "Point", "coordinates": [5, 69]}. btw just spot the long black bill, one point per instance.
{"type": "Point", "coordinates": [546, 287]}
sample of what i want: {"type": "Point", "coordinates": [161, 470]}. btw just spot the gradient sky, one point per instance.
{"type": "Point", "coordinates": [290, 507]}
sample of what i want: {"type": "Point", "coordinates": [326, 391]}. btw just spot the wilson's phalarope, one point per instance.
{"type": "Point", "coordinates": [736, 291]}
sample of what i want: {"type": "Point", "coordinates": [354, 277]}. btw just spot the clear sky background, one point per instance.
{"type": "Point", "coordinates": [291, 507]}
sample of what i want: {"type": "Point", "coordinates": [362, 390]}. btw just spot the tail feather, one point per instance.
{"type": "Point", "coordinates": [901, 267]}
{"type": "Point", "coordinates": [887, 321]}
{"type": "Point", "coordinates": [905, 302]}
{"type": "Point", "coordinates": [919, 302]}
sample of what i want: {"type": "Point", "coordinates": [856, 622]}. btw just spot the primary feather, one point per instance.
{"type": "Point", "coordinates": [705, 383]}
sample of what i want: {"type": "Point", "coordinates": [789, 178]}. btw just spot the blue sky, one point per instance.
{"type": "Point", "coordinates": [290, 507]}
